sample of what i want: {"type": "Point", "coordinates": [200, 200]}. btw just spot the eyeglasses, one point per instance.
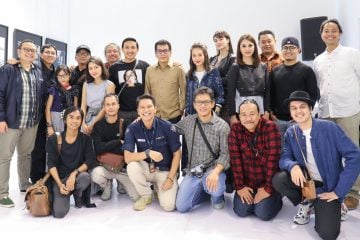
{"type": "Point", "coordinates": [289, 48]}
{"type": "Point", "coordinates": [52, 53]}
{"type": "Point", "coordinates": [82, 54]}
{"type": "Point", "coordinates": [63, 75]}
{"type": "Point", "coordinates": [29, 50]}
{"type": "Point", "coordinates": [164, 51]}
{"type": "Point", "coordinates": [205, 102]}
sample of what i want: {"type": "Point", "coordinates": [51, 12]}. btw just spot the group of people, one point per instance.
{"type": "Point", "coordinates": [239, 122]}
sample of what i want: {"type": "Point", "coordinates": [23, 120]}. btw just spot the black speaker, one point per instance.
{"type": "Point", "coordinates": [311, 42]}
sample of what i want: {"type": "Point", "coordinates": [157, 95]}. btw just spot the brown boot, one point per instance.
{"type": "Point", "coordinates": [351, 202]}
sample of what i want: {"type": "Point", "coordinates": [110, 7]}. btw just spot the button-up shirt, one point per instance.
{"type": "Point", "coordinates": [338, 76]}
{"type": "Point", "coordinates": [255, 156]}
{"type": "Point", "coordinates": [272, 62]}
{"type": "Point", "coordinates": [167, 86]}
{"type": "Point", "coordinates": [216, 132]}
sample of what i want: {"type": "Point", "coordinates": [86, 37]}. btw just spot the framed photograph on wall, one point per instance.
{"type": "Point", "coordinates": [20, 35]}
{"type": "Point", "coordinates": [3, 44]}
{"type": "Point", "coordinates": [61, 51]}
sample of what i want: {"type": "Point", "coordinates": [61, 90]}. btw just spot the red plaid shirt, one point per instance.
{"type": "Point", "coordinates": [254, 157]}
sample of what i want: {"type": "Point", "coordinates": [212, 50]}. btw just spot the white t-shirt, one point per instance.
{"type": "Point", "coordinates": [200, 75]}
{"type": "Point", "coordinates": [310, 163]}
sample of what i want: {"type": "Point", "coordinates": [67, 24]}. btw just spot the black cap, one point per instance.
{"type": "Point", "coordinates": [83, 47]}
{"type": "Point", "coordinates": [299, 96]}
{"type": "Point", "coordinates": [290, 41]}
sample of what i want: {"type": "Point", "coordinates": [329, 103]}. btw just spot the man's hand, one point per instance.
{"type": "Point", "coordinates": [328, 196]}
{"type": "Point", "coordinates": [167, 184]}
{"type": "Point", "coordinates": [156, 156]}
{"type": "Point", "coordinates": [260, 195]}
{"type": "Point", "coordinates": [212, 181]}
{"type": "Point", "coordinates": [245, 195]}
{"type": "Point", "coordinates": [297, 176]}
{"type": "Point", "coordinates": [3, 127]}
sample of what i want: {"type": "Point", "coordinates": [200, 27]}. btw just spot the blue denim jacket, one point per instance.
{"type": "Point", "coordinates": [329, 145]}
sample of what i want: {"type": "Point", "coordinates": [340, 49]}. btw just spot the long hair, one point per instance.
{"type": "Point", "coordinates": [255, 56]}
{"type": "Point", "coordinates": [224, 34]}
{"type": "Point", "coordinates": [70, 110]}
{"type": "Point", "coordinates": [206, 59]}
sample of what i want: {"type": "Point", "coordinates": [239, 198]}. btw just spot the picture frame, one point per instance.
{"type": "Point", "coordinates": [4, 31]}
{"type": "Point", "coordinates": [61, 51]}
{"type": "Point", "coordinates": [20, 35]}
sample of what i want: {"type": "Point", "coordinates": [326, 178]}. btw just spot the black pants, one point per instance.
{"type": "Point", "coordinates": [38, 155]}
{"type": "Point", "coordinates": [327, 214]}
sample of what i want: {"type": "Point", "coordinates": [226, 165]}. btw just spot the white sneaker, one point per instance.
{"type": "Point", "coordinates": [303, 215]}
{"type": "Point", "coordinates": [344, 211]}
{"type": "Point", "coordinates": [106, 195]}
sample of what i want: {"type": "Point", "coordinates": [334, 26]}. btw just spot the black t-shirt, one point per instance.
{"type": "Point", "coordinates": [128, 95]}
{"type": "Point", "coordinates": [106, 136]}
{"type": "Point", "coordinates": [77, 78]}
{"type": "Point", "coordinates": [72, 155]}
{"type": "Point", "coordinates": [286, 79]}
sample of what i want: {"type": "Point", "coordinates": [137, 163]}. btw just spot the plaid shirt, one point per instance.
{"type": "Point", "coordinates": [254, 157]}
{"type": "Point", "coordinates": [216, 132]}
{"type": "Point", "coordinates": [28, 106]}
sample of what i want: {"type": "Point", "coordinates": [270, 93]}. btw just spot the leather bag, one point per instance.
{"type": "Point", "coordinates": [111, 161]}
{"type": "Point", "coordinates": [308, 190]}
{"type": "Point", "coordinates": [37, 198]}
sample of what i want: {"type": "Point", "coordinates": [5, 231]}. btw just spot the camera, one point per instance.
{"type": "Point", "coordinates": [198, 171]}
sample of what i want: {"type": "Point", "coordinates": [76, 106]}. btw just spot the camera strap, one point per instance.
{"type": "Point", "coordinates": [306, 173]}
{"type": "Point", "coordinates": [215, 156]}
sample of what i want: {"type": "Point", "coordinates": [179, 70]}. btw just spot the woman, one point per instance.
{"type": "Point", "coordinates": [94, 90]}
{"type": "Point", "coordinates": [247, 79]}
{"type": "Point", "coordinates": [61, 96]}
{"type": "Point", "coordinates": [223, 61]}
{"type": "Point", "coordinates": [199, 75]}
{"type": "Point", "coordinates": [69, 165]}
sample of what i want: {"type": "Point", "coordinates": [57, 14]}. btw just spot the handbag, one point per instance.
{"type": "Point", "coordinates": [308, 190]}
{"type": "Point", "coordinates": [113, 162]}
{"type": "Point", "coordinates": [37, 197]}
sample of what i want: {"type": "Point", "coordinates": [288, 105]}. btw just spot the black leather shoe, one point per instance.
{"type": "Point", "coordinates": [78, 202]}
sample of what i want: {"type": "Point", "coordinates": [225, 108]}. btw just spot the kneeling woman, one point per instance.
{"type": "Point", "coordinates": [69, 165]}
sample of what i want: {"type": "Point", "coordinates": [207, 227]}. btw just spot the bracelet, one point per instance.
{"type": "Point", "coordinates": [49, 124]}
{"type": "Point", "coordinates": [170, 179]}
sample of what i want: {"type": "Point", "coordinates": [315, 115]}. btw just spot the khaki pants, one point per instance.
{"type": "Point", "coordinates": [23, 139]}
{"type": "Point", "coordinates": [101, 176]}
{"type": "Point", "coordinates": [140, 176]}
{"type": "Point", "coordinates": [350, 125]}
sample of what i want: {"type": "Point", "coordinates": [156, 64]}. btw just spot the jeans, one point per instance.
{"type": "Point", "coordinates": [267, 209]}
{"type": "Point", "coordinates": [193, 190]}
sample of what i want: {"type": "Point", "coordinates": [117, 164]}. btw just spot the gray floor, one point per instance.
{"type": "Point", "coordinates": [116, 219]}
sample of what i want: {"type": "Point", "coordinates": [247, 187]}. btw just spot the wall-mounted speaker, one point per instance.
{"type": "Point", "coordinates": [311, 43]}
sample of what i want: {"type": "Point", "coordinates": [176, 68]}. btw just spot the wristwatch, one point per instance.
{"type": "Point", "coordinates": [147, 152]}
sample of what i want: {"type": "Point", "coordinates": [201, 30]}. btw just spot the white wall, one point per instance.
{"type": "Point", "coordinates": [182, 22]}
{"type": "Point", "coordinates": [349, 17]}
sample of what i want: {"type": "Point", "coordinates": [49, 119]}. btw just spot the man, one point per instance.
{"type": "Point", "coordinates": [288, 77]}
{"type": "Point", "coordinates": [267, 42]}
{"type": "Point", "coordinates": [157, 158]}
{"type": "Point", "coordinates": [166, 83]}
{"type": "Point", "coordinates": [112, 54]}
{"type": "Point", "coordinates": [106, 139]}
{"type": "Point", "coordinates": [38, 155]}
{"type": "Point", "coordinates": [21, 94]}
{"type": "Point", "coordinates": [338, 74]}
{"type": "Point", "coordinates": [78, 74]}
{"type": "Point", "coordinates": [316, 147]}
{"type": "Point", "coordinates": [205, 175]}
{"type": "Point", "coordinates": [254, 147]}
{"type": "Point", "coordinates": [128, 94]}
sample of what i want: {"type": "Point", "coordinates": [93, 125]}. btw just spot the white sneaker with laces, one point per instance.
{"type": "Point", "coordinates": [106, 195]}
{"type": "Point", "coordinates": [303, 215]}
{"type": "Point", "coordinates": [344, 211]}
